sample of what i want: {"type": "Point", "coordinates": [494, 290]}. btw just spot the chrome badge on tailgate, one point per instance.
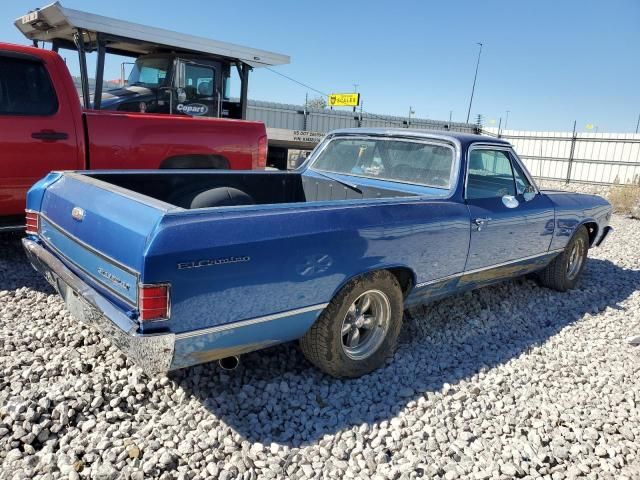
{"type": "Point", "coordinates": [113, 279]}
{"type": "Point", "coordinates": [77, 213]}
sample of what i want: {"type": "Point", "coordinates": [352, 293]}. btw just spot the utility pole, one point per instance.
{"type": "Point", "coordinates": [638, 123]}
{"type": "Point", "coordinates": [450, 116]}
{"type": "Point", "coordinates": [506, 120]}
{"type": "Point", "coordinates": [473, 88]}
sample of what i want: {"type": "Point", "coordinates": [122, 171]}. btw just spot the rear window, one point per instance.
{"type": "Point", "coordinates": [25, 88]}
{"type": "Point", "coordinates": [406, 161]}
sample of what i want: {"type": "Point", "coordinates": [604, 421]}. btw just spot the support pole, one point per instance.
{"type": "Point", "coordinates": [573, 146]}
{"type": "Point", "coordinates": [82, 58]}
{"type": "Point", "coordinates": [97, 94]}
{"type": "Point", "coordinates": [244, 90]}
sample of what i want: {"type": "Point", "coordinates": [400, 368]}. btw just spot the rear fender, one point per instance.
{"type": "Point", "coordinates": [394, 269]}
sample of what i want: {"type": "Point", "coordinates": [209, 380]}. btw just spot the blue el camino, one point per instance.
{"type": "Point", "coordinates": [181, 267]}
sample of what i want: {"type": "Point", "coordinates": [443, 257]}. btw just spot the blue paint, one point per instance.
{"type": "Point", "coordinates": [100, 269]}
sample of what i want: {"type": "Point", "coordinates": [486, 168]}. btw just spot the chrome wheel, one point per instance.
{"type": "Point", "coordinates": [365, 325]}
{"type": "Point", "coordinates": [576, 258]}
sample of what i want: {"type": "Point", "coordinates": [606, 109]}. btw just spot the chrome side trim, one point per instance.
{"type": "Point", "coordinates": [251, 321]}
{"type": "Point", "coordinates": [438, 280]}
{"type": "Point", "coordinates": [490, 267]}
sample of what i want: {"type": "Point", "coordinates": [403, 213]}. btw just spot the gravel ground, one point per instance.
{"type": "Point", "coordinates": [508, 381]}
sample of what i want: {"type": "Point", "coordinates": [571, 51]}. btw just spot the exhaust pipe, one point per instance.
{"type": "Point", "coordinates": [229, 363]}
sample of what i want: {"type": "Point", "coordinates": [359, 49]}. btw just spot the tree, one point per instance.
{"type": "Point", "coordinates": [319, 103]}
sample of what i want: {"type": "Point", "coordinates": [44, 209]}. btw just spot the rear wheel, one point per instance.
{"type": "Point", "coordinates": [564, 271]}
{"type": "Point", "coordinates": [359, 328]}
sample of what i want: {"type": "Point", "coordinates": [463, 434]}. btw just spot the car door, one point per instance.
{"type": "Point", "coordinates": [201, 96]}
{"type": "Point", "coordinates": [510, 219]}
{"type": "Point", "coordinates": [37, 128]}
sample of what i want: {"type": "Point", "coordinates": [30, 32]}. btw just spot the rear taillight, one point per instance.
{"type": "Point", "coordinates": [262, 152]}
{"type": "Point", "coordinates": [33, 222]}
{"type": "Point", "coordinates": [154, 301]}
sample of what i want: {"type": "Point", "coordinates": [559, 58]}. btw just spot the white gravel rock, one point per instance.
{"type": "Point", "coordinates": [511, 381]}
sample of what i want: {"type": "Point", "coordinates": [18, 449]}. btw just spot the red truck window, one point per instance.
{"type": "Point", "coordinates": [25, 88]}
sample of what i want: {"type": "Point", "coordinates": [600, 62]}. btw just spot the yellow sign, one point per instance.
{"type": "Point", "coordinates": [589, 126]}
{"type": "Point", "coordinates": [344, 99]}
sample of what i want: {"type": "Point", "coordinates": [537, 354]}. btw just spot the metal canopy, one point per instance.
{"type": "Point", "coordinates": [57, 24]}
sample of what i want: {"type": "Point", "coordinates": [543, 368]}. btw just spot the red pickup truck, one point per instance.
{"type": "Point", "coordinates": [44, 128]}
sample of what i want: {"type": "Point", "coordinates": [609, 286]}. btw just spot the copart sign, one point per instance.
{"type": "Point", "coordinates": [194, 109]}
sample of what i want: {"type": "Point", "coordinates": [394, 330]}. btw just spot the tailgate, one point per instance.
{"type": "Point", "coordinates": [100, 229]}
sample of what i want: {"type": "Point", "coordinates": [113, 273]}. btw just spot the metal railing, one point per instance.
{"type": "Point", "coordinates": [571, 157]}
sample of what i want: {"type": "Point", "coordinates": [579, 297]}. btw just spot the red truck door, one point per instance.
{"type": "Point", "coordinates": [37, 125]}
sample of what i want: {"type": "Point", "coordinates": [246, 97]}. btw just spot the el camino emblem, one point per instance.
{"type": "Point", "coordinates": [77, 213]}
{"type": "Point", "coordinates": [113, 279]}
{"type": "Point", "coordinates": [209, 262]}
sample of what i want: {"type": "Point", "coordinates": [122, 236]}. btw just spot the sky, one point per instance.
{"type": "Point", "coordinates": [547, 62]}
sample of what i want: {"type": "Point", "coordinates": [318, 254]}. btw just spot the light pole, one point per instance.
{"type": "Point", "coordinates": [506, 120]}
{"type": "Point", "coordinates": [638, 123]}
{"type": "Point", "coordinates": [474, 81]}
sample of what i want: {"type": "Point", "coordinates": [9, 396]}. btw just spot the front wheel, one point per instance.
{"type": "Point", "coordinates": [564, 271]}
{"type": "Point", "coordinates": [359, 329]}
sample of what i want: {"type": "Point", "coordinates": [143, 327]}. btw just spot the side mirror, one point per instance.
{"type": "Point", "coordinates": [510, 201]}
{"type": "Point", "coordinates": [180, 76]}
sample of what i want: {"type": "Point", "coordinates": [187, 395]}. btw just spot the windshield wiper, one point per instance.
{"type": "Point", "coordinates": [353, 187]}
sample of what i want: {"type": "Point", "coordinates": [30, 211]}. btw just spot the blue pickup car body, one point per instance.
{"type": "Point", "coordinates": [247, 277]}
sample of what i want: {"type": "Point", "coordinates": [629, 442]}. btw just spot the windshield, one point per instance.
{"type": "Point", "coordinates": [407, 161]}
{"type": "Point", "coordinates": [149, 72]}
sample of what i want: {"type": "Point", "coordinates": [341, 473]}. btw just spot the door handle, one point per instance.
{"type": "Point", "coordinates": [49, 135]}
{"type": "Point", "coordinates": [481, 222]}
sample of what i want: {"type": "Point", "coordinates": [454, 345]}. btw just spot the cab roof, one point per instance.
{"type": "Point", "coordinates": [464, 139]}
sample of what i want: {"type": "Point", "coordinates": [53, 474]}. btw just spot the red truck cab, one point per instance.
{"type": "Point", "coordinates": [43, 128]}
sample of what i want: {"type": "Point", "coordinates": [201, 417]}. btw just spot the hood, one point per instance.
{"type": "Point", "coordinates": [117, 96]}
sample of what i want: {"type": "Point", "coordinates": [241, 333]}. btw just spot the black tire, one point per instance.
{"type": "Point", "coordinates": [215, 197]}
{"type": "Point", "coordinates": [323, 345]}
{"type": "Point", "coordinates": [557, 275]}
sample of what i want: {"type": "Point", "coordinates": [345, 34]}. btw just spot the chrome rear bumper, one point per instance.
{"type": "Point", "coordinates": [152, 352]}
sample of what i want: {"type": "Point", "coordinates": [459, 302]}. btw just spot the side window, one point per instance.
{"type": "Point", "coordinates": [25, 88]}
{"type": "Point", "coordinates": [522, 183]}
{"type": "Point", "coordinates": [489, 174]}
{"type": "Point", "coordinates": [199, 81]}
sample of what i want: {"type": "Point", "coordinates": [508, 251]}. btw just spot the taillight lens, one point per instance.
{"type": "Point", "coordinates": [262, 152]}
{"type": "Point", "coordinates": [154, 301]}
{"type": "Point", "coordinates": [33, 222]}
